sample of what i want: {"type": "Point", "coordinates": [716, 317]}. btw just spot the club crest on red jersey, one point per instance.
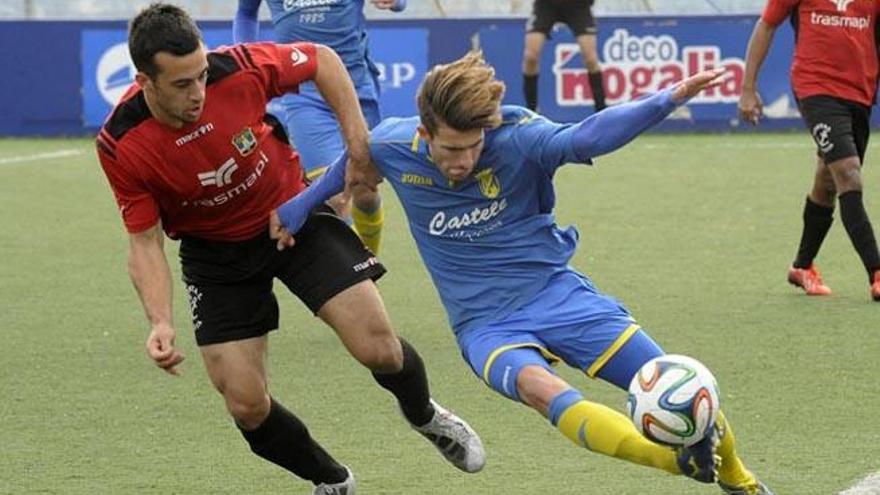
{"type": "Point", "coordinates": [245, 141]}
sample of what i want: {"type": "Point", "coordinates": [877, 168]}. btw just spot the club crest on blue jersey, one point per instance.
{"type": "Point", "coordinates": [489, 184]}
{"type": "Point", "coordinates": [245, 141]}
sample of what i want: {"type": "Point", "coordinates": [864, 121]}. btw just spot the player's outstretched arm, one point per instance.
{"type": "Point", "coordinates": [245, 25]}
{"type": "Point", "coordinates": [750, 105]}
{"type": "Point", "coordinates": [151, 276]}
{"type": "Point", "coordinates": [608, 130]}
{"type": "Point", "coordinates": [290, 217]}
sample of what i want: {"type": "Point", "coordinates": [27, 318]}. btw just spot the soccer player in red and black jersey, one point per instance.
{"type": "Point", "coordinates": [834, 75]}
{"type": "Point", "coordinates": [189, 150]}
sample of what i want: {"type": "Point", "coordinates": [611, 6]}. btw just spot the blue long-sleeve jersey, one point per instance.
{"type": "Point", "coordinates": [490, 242]}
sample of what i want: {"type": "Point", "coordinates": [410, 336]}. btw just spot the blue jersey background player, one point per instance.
{"type": "Point", "coordinates": [475, 181]}
{"type": "Point", "coordinates": [341, 25]}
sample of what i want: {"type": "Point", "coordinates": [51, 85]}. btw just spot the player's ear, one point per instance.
{"type": "Point", "coordinates": [141, 79]}
{"type": "Point", "coordinates": [424, 134]}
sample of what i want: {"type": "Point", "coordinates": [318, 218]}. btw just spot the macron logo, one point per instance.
{"type": "Point", "coordinates": [220, 177]}
{"type": "Point", "coordinates": [841, 4]}
{"type": "Point", "coordinates": [297, 57]}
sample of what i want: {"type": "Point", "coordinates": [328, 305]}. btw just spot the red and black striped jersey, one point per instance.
{"type": "Point", "coordinates": [217, 178]}
{"type": "Point", "coordinates": [835, 51]}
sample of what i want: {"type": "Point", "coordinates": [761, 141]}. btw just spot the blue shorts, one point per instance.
{"type": "Point", "coordinates": [312, 127]}
{"type": "Point", "coordinates": [568, 321]}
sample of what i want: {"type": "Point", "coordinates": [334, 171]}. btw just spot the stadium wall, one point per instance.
{"type": "Point", "coordinates": [61, 76]}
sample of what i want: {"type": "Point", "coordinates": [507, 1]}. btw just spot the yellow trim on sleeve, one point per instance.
{"type": "Point", "coordinates": [549, 356]}
{"type": "Point", "coordinates": [314, 174]}
{"type": "Point", "coordinates": [619, 342]}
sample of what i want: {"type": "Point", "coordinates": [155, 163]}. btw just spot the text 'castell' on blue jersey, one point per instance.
{"type": "Point", "coordinates": [490, 242]}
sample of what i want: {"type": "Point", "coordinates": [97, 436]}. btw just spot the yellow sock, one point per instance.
{"type": "Point", "coordinates": [369, 226]}
{"type": "Point", "coordinates": [604, 430]}
{"type": "Point", "coordinates": [732, 471]}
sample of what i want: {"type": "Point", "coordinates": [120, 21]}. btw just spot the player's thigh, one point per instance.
{"type": "Point", "coordinates": [238, 370]}
{"type": "Point", "coordinates": [586, 328]}
{"type": "Point", "coordinates": [327, 258]}
{"type": "Point", "coordinates": [578, 16]}
{"type": "Point", "coordinates": [830, 122]}
{"type": "Point", "coordinates": [861, 128]}
{"type": "Point", "coordinates": [542, 18]}
{"type": "Point", "coordinates": [498, 355]}
{"type": "Point", "coordinates": [229, 288]}
{"type": "Point", "coordinates": [372, 112]}
{"type": "Point", "coordinates": [313, 130]}
{"type": "Point", "coordinates": [358, 317]}
{"type": "Point", "coordinates": [625, 361]}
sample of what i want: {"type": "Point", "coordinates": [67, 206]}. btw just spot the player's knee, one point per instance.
{"type": "Point", "coordinates": [592, 64]}
{"type": "Point", "coordinates": [537, 386]}
{"type": "Point", "coordinates": [847, 174]}
{"type": "Point", "coordinates": [366, 199]}
{"type": "Point", "coordinates": [531, 60]}
{"type": "Point", "coordinates": [381, 354]}
{"type": "Point", "coordinates": [248, 410]}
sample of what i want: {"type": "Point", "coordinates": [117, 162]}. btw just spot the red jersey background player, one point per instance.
{"type": "Point", "coordinates": [834, 75]}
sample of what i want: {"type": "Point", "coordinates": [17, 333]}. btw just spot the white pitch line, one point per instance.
{"type": "Point", "coordinates": [40, 156]}
{"type": "Point", "coordinates": [729, 144]}
{"type": "Point", "coordinates": [868, 486]}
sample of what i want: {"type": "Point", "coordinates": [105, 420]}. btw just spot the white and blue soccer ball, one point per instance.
{"type": "Point", "coordinates": [673, 400]}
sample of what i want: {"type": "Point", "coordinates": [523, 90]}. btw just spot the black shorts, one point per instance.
{"type": "Point", "coordinates": [577, 14]}
{"type": "Point", "coordinates": [229, 284]}
{"type": "Point", "coordinates": [839, 127]}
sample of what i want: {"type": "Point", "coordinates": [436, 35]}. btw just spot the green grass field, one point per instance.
{"type": "Point", "coordinates": [693, 233]}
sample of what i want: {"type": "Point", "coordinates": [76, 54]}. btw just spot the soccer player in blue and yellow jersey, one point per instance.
{"type": "Point", "coordinates": [339, 24]}
{"type": "Point", "coordinates": [475, 180]}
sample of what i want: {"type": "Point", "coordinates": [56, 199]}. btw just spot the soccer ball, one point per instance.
{"type": "Point", "coordinates": [673, 400]}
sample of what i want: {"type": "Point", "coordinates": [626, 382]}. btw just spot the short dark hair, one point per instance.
{"type": "Point", "coordinates": [161, 27]}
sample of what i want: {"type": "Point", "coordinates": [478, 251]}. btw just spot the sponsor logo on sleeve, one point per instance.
{"type": "Point", "coordinates": [297, 56]}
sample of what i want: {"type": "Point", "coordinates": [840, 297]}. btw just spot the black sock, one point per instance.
{"type": "Point", "coordinates": [855, 219]}
{"type": "Point", "coordinates": [530, 89]}
{"type": "Point", "coordinates": [410, 387]}
{"type": "Point", "coordinates": [817, 221]}
{"type": "Point", "coordinates": [284, 440]}
{"type": "Point", "coordinates": [598, 90]}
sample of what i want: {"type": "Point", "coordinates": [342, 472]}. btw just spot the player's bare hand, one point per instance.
{"type": "Point", "coordinates": [160, 348]}
{"type": "Point", "coordinates": [383, 4]}
{"type": "Point", "coordinates": [279, 233]}
{"type": "Point", "coordinates": [360, 172]}
{"type": "Point", "coordinates": [700, 81]}
{"type": "Point", "coordinates": [750, 107]}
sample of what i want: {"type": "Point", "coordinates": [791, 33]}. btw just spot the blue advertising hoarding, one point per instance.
{"type": "Point", "coordinates": [643, 55]}
{"type": "Point", "coordinates": [66, 87]}
{"type": "Point", "coordinates": [400, 53]}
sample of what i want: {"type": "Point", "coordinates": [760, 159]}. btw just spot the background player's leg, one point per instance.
{"type": "Point", "coordinates": [848, 179]}
{"type": "Point", "coordinates": [238, 371]}
{"type": "Point", "coordinates": [818, 216]}
{"type": "Point", "coordinates": [367, 212]}
{"type": "Point", "coordinates": [587, 44]}
{"type": "Point", "coordinates": [534, 43]}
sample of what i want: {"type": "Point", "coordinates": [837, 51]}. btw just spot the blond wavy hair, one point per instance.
{"type": "Point", "coordinates": [463, 95]}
